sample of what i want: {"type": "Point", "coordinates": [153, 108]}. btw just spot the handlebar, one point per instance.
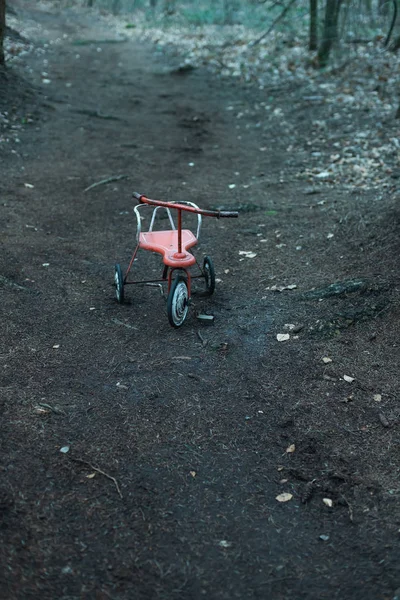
{"type": "Point", "coordinates": [207, 213]}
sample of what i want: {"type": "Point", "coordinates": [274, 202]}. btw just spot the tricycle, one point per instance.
{"type": "Point", "coordinates": [175, 245]}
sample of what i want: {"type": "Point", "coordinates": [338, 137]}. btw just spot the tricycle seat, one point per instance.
{"type": "Point", "coordinates": [166, 244]}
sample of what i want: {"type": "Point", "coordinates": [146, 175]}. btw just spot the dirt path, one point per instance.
{"type": "Point", "coordinates": [181, 440]}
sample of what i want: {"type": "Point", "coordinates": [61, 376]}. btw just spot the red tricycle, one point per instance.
{"type": "Point", "coordinates": [175, 246]}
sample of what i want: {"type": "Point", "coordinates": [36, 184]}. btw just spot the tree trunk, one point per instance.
{"type": "Point", "coordinates": [169, 7]}
{"type": "Point", "coordinates": [115, 8]}
{"type": "Point", "coordinates": [2, 29]}
{"type": "Point", "coordinates": [230, 7]}
{"type": "Point", "coordinates": [313, 41]}
{"type": "Point", "coordinates": [330, 31]}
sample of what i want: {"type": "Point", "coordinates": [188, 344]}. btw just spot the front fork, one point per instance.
{"type": "Point", "coordinates": [170, 272]}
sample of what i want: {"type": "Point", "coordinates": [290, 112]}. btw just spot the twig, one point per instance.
{"type": "Point", "coordinates": [350, 508]}
{"type": "Point", "coordinates": [203, 341]}
{"type": "Point", "coordinates": [9, 282]}
{"type": "Point", "coordinates": [85, 462]}
{"type": "Point", "coordinates": [54, 409]}
{"type": "Point", "coordinates": [104, 181]}
{"type": "Point", "coordinates": [97, 114]}
{"type": "Point", "coordinates": [278, 18]}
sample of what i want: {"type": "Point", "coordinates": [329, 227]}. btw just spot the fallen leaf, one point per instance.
{"type": "Point", "coordinates": [282, 337]}
{"type": "Point", "coordinates": [39, 410]}
{"type": "Point", "coordinates": [285, 497]}
{"type": "Point", "coordinates": [384, 420]}
{"type": "Point", "coordinates": [280, 288]}
{"type": "Point", "coordinates": [206, 318]}
{"type": "Point", "coordinates": [90, 476]}
{"type": "Point", "coordinates": [193, 473]}
{"type": "Point", "coordinates": [327, 502]}
{"type": "Point", "coordinates": [290, 449]}
{"type": "Point", "coordinates": [247, 253]}
{"type": "Point", "coordinates": [348, 399]}
{"type": "Point", "coordinates": [121, 386]}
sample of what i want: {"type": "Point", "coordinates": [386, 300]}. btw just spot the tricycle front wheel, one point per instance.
{"type": "Point", "coordinates": [178, 301]}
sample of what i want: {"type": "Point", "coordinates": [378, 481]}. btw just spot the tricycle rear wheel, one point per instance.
{"type": "Point", "coordinates": [119, 283]}
{"type": "Point", "coordinates": [209, 275]}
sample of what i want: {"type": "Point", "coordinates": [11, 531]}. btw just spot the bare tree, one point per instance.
{"type": "Point", "coordinates": [169, 7]}
{"type": "Point", "coordinates": [330, 32]}
{"type": "Point", "coordinates": [2, 29]}
{"type": "Point", "coordinates": [115, 7]}
{"type": "Point", "coordinates": [313, 40]}
{"type": "Point", "coordinates": [229, 10]}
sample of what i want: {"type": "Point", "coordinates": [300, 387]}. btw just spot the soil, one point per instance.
{"type": "Point", "coordinates": [177, 442]}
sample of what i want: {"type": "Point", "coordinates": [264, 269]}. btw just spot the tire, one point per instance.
{"type": "Point", "coordinates": [119, 284]}
{"type": "Point", "coordinates": [178, 301]}
{"type": "Point", "coordinates": [209, 275]}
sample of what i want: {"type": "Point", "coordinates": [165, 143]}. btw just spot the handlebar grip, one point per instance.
{"type": "Point", "coordinates": [137, 196]}
{"type": "Point", "coordinates": [228, 213]}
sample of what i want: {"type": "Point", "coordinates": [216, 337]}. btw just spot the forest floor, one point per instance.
{"type": "Point", "coordinates": [142, 461]}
